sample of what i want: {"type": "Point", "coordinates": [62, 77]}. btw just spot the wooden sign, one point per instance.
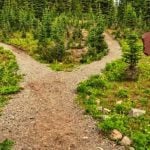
{"type": "Point", "coordinates": [146, 42]}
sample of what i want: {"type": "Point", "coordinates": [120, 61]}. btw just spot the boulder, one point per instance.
{"type": "Point", "coordinates": [136, 112]}
{"type": "Point", "coordinates": [126, 141]}
{"type": "Point", "coordinates": [116, 135]}
{"type": "Point", "coordinates": [131, 148]}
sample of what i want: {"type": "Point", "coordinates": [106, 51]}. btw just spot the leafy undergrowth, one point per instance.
{"type": "Point", "coordinates": [110, 90]}
{"type": "Point", "coordinates": [9, 77]}
{"type": "Point", "coordinates": [66, 39]}
{"type": "Point", "coordinates": [6, 145]}
{"type": "Point", "coordinates": [28, 44]}
{"type": "Point", "coordinates": [9, 84]}
{"type": "Point", "coordinates": [63, 67]}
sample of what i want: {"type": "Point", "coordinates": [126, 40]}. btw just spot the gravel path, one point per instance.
{"type": "Point", "coordinates": [44, 116]}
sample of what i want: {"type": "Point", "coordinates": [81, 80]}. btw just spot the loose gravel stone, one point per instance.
{"type": "Point", "coordinates": [126, 141]}
{"type": "Point", "coordinates": [116, 135]}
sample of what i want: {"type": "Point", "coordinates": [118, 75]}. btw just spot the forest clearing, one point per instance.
{"type": "Point", "coordinates": [73, 75]}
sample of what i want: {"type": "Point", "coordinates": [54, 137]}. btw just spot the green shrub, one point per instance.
{"type": "Point", "coordinates": [132, 55]}
{"type": "Point", "coordinates": [6, 145]}
{"type": "Point", "coordinates": [122, 93]}
{"type": "Point", "coordinates": [9, 78]}
{"type": "Point", "coordinates": [114, 122]}
{"type": "Point", "coordinates": [27, 43]}
{"type": "Point", "coordinates": [141, 140]}
{"type": "Point", "coordinates": [97, 47]}
{"type": "Point", "coordinates": [144, 101]}
{"type": "Point", "coordinates": [82, 88]}
{"type": "Point", "coordinates": [115, 71]}
{"type": "Point", "coordinates": [93, 111]}
{"type": "Point", "coordinates": [123, 108]}
{"type": "Point", "coordinates": [3, 101]}
{"type": "Point", "coordinates": [97, 82]}
{"type": "Point", "coordinates": [62, 66]}
{"type": "Point", "coordinates": [52, 51]}
{"type": "Point", "coordinates": [9, 90]}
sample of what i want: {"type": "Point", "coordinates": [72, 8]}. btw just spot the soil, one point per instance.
{"type": "Point", "coordinates": [45, 116]}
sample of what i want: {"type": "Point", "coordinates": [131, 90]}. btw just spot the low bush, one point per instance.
{"type": "Point", "coordinates": [6, 145]}
{"type": "Point", "coordinates": [141, 140]}
{"type": "Point", "coordinates": [52, 51]}
{"type": "Point", "coordinates": [114, 122]}
{"type": "Point", "coordinates": [27, 43]}
{"type": "Point", "coordinates": [122, 93]}
{"type": "Point", "coordinates": [110, 90]}
{"type": "Point", "coordinates": [115, 71]}
{"type": "Point", "coordinates": [9, 77]}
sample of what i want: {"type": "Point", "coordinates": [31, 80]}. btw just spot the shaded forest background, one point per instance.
{"type": "Point", "coordinates": [52, 29]}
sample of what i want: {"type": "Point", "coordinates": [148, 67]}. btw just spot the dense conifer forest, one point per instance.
{"type": "Point", "coordinates": [54, 30]}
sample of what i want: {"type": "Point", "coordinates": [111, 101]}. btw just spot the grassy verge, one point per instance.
{"type": "Point", "coordinates": [9, 78]}
{"type": "Point", "coordinates": [63, 67]}
{"type": "Point", "coordinates": [110, 91]}
{"type": "Point", "coordinates": [9, 84]}
{"type": "Point", "coordinates": [6, 145]}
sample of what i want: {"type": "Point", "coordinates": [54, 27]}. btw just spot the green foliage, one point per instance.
{"type": "Point", "coordinates": [54, 51]}
{"type": "Point", "coordinates": [97, 82]}
{"type": "Point", "coordinates": [27, 43]}
{"type": "Point", "coordinates": [132, 55]}
{"type": "Point", "coordinates": [94, 82]}
{"type": "Point", "coordinates": [114, 122]}
{"type": "Point", "coordinates": [9, 90]}
{"type": "Point", "coordinates": [115, 71]}
{"type": "Point", "coordinates": [97, 46]}
{"type": "Point", "coordinates": [120, 98]}
{"type": "Point", "coordinates": [3, 101]}
{"type": "Point", "coordinates": [123, 108]}
{"type": "Point", "coordinates": [6, 145]}
{"type": "Point", "coordinates": [122, 93]}
{"type": "Point", "coordinates": [130, 17]}
{"type": "Point", "coordinates": [134, 14]}
{"type": "Point", "coordinates": [62, 66]}
{"type": "Point", "coordinates": [132, 52]}
{"type": "Point", "coordinates": [82, 88]}
{"type": "Point", "coordinates": [8, 75]}
{"type": "Point", "coordinates": [141, 140]}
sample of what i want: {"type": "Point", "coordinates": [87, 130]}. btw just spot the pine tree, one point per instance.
{"type": "Point", "coordinates": [147, 12]}
{"type": "Point", "coordinates": [132, 55]}
{"type": "Point", "coordinates": [130, 18]}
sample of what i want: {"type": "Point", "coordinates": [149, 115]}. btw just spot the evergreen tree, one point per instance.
{"type": "Point", "coordinates": [132, 55]}
{"type": "Point", "coordinates": [130, 18]}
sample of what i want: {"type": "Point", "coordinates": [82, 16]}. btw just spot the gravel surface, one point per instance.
{"type": "Point", "coordinates": [44, 116]}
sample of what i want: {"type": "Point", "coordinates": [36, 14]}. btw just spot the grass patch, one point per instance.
{"type": "Point", "coordinates": [6, 145]}
{"type": "Point", "coordinates": [9, 78]}
{"type": "Point", "coordinates": [110, 90]}
{"type": "Point", "coordinates": [63, 67]}
{"type": "Point", "coordinates": [9, 84]}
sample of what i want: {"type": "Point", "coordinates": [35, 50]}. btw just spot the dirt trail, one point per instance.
{"type": "Point", "coordinates": [44, 116]}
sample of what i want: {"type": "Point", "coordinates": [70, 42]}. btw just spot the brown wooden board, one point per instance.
{"type": "Point", "coordinates": [146, 42]}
